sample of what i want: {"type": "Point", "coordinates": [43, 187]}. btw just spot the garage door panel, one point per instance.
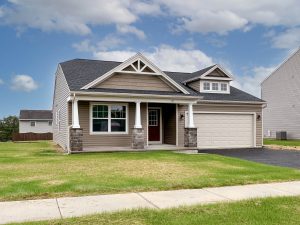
{"type": "Point", "coordinates": [224, 130]}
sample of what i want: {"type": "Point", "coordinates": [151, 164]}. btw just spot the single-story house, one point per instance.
{"type": "Point", "coordinates": [106, 105]}
{"type": "Point", "coordinates": [281, 89]}
{"type": "Point", "coordinates": [35, 121]}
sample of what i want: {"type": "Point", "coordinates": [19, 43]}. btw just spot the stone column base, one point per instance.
{"type": "Point", "coordinates": [76, 136]}
{"type": "Point", "coordinates": [190, 137]}
{"type": "Point", "coordinates": [138, 140]}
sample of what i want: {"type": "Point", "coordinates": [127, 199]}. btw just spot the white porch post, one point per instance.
{"type": "Point", "coordinates": [138, 115]}
{"type": "Point", "coordinates": [190, 116]}
{"type": "Point", "coordinates": [75, 121]}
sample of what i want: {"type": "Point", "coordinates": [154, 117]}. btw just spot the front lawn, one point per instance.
{"type": "Point", "coordinates": [281, 142]}
{"type": "Point", "coordinates": [271, 211]}
{"type": "Point", "coordinates": [36, 170]}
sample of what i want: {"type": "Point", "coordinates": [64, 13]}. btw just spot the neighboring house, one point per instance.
{"type": "Point", "coordinates": [35, 121]}
{"type": "Point", "coordinates": [281, 90]}
{"type": "Point", "coordinates": [105, 105]}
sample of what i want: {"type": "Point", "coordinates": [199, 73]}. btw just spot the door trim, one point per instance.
{"type": "Point", "coordinates": [160, 126]}
{"type": "Point", "coordinates": [240, 113]}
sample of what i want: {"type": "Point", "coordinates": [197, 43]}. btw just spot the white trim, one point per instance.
{"type": "Point", "coordinates": [281, 64]}
{"type": "Point", "coordinates": [119, 98]}
{"type": "Point", "coordinates": [109, 132]}
{"type": "Point", "coordinates": [128, 62]}
{"type": "Point", "coordinates": [228, 102]}
{"type": "Point", "coordinates": [238, 113]}
{"type": "Point", "coordinates": [160, 124]}
{"type": "Point", "coordinates": [217, 66]}
{"type": "Point", "coordinates": [176, 105]}
{"type": "Point", "coordinates": [138, 120]}
{"type": "Point", "coordinates": [147, 120]}
{"type": "Point", "coordinates": [262, 127]}
{"type": "Point", "coordinates": [36, 120]}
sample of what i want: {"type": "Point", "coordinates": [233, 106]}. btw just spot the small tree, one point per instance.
{"type": "Point", "coordinates": [8, 126]}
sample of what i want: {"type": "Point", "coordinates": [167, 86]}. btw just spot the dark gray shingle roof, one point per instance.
{"type": "Point", "coordinates": [35, 114]}
{"type": "Point", "coordinates": [80, 72]}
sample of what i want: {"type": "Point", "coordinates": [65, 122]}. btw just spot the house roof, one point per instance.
{"type": "Point", "coordinates": [79, 72]}
{"type": "Point", "coordinates": [35, 115]}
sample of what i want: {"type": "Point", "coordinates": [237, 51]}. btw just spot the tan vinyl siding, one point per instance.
{"type": "Point", "coordinates": [281, 91]}
{"type": "Point", "coordinates": [117, 140]}
{"type": "Point", "coordinates": [169, 124]}
{"type": "Point", "coordinates": [195, 85]}
{"type": "Point", "coordinates": [61, 93]}
{"type": "Point", "coordinates": [220, 108]}
{"type": "Point", "coordinates": [135, 82]}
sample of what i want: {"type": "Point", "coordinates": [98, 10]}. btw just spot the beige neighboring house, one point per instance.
{"type": "Point", "coordinates": [107, 105]}
{"type": "Point", "coordinates": [281, 91]}
{"type": "Point", "coordinates": [35, 121]}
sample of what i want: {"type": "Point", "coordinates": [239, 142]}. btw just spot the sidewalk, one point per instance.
{"type": "Point", "coordinates": [46, 209]}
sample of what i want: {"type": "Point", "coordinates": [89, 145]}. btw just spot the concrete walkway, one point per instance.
{"type": "Point", "coordinates": [46, 209]}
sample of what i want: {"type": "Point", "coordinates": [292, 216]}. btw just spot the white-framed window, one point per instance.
{"type": "Point", "coordinates": [153, 118]}
{"type": "Point", "coordinates": [223, 87]}
{"type": "Point", "coordinates": [109, 118]}
{"type": "Point", "coordinates": [206, 86]}
{"type": "Point", "coordinates": [50, 123]}
{"type": "Point", "coordinates": [215, 86]}
{"type": "Point", "coordinates": [32, 123]}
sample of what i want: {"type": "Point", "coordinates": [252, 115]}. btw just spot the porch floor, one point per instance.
{"type": "Point", "coordinates": [129, 149]}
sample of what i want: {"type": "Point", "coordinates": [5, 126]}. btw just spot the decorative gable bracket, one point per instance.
{"type": "Point", "coordinates": [137, 64]}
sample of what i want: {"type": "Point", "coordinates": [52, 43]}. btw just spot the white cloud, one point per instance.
{"type": "Point", "coordinates": [165, 57]}
{"type": "Point", "coordinates": [128, 29]}
{"type": "Point", "coordinates": [251, 81]}
{"type": "Point", "coordinates": [290, 39]}
{"type": "Point", "coordinates": [223, 16]}
{"type": "Point", "coordinates": [73, 16]}
{"type": "Point", "coordinates": [108, 42]}
{"type": "Point", "coordinates": [1, 82]}
{"type": "Point", "coordinates": [23, 83]}
{"type": "Point", "coordinates": [77, 16]}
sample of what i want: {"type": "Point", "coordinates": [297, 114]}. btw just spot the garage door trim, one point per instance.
{"type": "Point", "coordinates": [239, 113]}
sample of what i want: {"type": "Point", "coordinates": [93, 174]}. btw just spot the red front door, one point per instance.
{"type": "Point", "coordinates": [154, 124]}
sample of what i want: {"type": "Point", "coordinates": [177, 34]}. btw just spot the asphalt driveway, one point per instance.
{"type": "Point", "coordinates": [287, 158]}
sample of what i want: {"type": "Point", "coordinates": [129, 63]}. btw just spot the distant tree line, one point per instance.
{"type": "Point", "coordinates": [8, 126]}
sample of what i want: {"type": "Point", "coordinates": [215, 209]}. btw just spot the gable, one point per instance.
{"type": "Point", "coordinates": [136, 82]}
{"type": "Point", "coordinates": [217, 73]}
{"type": "Point", "coordinates": [140, 67]}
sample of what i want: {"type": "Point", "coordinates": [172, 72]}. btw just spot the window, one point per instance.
{"type": "Point", "coordinates": [50, 123]}
{"type": "Point", "coordinates": [206, 86]}
{"type": "Point", "coordinates": [32, 123]}
{"type": "Point", "coordinates": [215, 86]}
{"type": "Point", "coordinates": [223, 87]}
{"type": "Point", "coordinates": [153, 118]}
{"type": "Point", "coordinates": [109, 118]}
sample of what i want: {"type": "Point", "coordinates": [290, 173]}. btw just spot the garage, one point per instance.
{"type": "Point", "coordinates": [225, 130]}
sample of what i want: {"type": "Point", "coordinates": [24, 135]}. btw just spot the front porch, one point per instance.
{"type": "Point", "coordinates": [135, 125]}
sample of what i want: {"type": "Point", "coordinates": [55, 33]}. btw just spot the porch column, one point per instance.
{"type": "Point", "coordinates": [190, 116]}
{"type": "Point", "coordinates": [138, 123]}
{"type": "Point", "coordinates": [75, 121]}
{"type": "Point", "coordinates": [190, 132]}
{"type": "Point", "coordinates": [76, 133]}
{"type": "Point", "coordinates": [138, 136]}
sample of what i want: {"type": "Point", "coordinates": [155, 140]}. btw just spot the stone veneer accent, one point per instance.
{"type": "Point", "coordinates": [76, 136]}
{"type": "Point", "coordinates": [138, 140]}
{"type": "Point", "coordinates": [190, 137]}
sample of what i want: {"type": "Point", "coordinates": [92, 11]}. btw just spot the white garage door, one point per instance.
{"type": "Point", "coordinates": [216, 130]}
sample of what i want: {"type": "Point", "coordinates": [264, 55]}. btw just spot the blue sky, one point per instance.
{"type": "Point", "coordinates": [248, 38]}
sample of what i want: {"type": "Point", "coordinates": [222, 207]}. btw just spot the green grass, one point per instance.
{"type": "Point", "coordinates": [270, 211]}
{"type": "Point", "coordinates": [36, 170]}
{"type": "Point", "coordinates": [282, 142]}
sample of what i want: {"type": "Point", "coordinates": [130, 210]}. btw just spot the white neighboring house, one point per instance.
{"type": "Point", "coordinates": [281, 91]}
{"type": "Point", "coordinates": [35, 121]}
